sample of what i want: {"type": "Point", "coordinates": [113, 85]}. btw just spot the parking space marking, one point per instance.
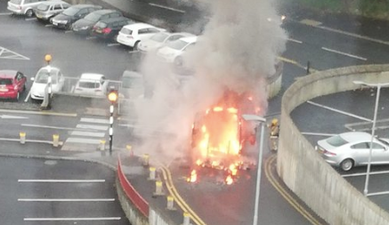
{"type": "Point", "coordinates": [68, 31]}
{"type": "Point", "coordinates": [133, 51]}
{"type": "Point", "coordinates": [364, 174]}
{"type": "Point", "coordinates": [49, 25]}
{"type": "Point", "coordinates": [8, 54]}
{"type": "Point", "coordinates": [377, 193]}
{"type": "Point", "coordinates": [66, 200]}
{"type": "Point", "coordinates": [344, 53]}
{"type": "Point", "coordinates": [30, 19]}
{"type": "Point", "coordinates": [112, 44]}
{"type": "Point", "coordinates": [91, 38]}
{"type": "Point", "coordinates": [5, 14]}
{"type": "Point", "coordinates": [74, 219]}
{"type": "Point", "coordinates": [294, 40]}
{"type": "Point", "coordinates": [340, 111]}
{"type": "Point", "coordinates": [166, 7]}
{"type": "Point", "coordinates": [60, 181]}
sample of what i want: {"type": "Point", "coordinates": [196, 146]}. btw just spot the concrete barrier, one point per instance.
{"type": "Point", "coordinates": [304, 171]}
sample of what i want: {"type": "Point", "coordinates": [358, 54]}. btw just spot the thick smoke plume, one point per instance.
{"type": "Point", "coordinates": [237, 50]}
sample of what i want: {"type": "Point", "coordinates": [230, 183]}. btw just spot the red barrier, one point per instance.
{"type": "Point", "coordinates": [131, 193]}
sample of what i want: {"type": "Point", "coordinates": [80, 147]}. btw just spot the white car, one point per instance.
{"type": "Point", "coordinates": [23, 7]}
{"type": "Point", "coordinates": [159, 40]}
{"type": "Point", "coordinates": [131, 35]}
{"type": "Point", "coordinates": [92, 84]}
{"type": "Point", "coordinates": [172, 52]}
{"type": "Point", "coordinates": [41, 79]}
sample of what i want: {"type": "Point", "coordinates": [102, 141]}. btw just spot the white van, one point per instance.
{"type": "Point", "coordinates": [23, 7]}
{"type": "Point", "coordinates": [91, 84]}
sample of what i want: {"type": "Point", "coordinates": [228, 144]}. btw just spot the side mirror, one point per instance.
{"type": "Point", "coordinates": [32, 78]}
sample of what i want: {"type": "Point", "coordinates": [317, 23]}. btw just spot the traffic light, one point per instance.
{"type": "Point", "coordinates": [113, 95]}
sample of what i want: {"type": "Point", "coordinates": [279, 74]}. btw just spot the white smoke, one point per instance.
{"type": "Point", "coordinates": [237, 50]}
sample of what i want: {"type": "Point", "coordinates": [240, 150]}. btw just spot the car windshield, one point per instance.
{"type": "Point", "coordinates": [43, 77]}
{"type": "Point", "coordinates": [70, 11]}
{"type": "Point", "coordinates": [160, 37]}
{"type": "Point", "coordinates": [43, 7]}
{"type": "Point", "coordinates": [336, 141]}
{"type": "Point", "coordinates": [5, 81]}
{"type": "Point", "coordinates": [126, 31]}
{"type": "Point", "coordinates": [94, 17]}
{"type": "Point", "coordinates": [88, 84]}
{"type": "Point", "coordinates": [130, 82]}
{"type": "Point", "coordinates": [16, 1]}
{"type": "Point", "coordinates": [178, 45]}
{"type": "Point", "coordinates": [384, 141]}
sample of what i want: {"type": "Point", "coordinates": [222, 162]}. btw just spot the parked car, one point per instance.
{"type": "Point", "coordinates": [131, 35]}
{"type": "Point", "coordinates": [350, 149]}
{"type": "Point", "coordinates": [41, 79]}
{"type": "Point", "coordinates": [109, 28]}
{"type": "Point", "coordinates": [47, 10]}
{"type": "Point", "coordinates": [84, 25]}
{"type": "Point", "coordinates": [12, 83]}
{"type": "Point", "coordinates": [23, 7]}
{"type": "Point", "coordinates": [132, 85]}
{"type": "Point", "coordinates": [73, 13]}
{"type": "Point", "coordinates": [91, 84]}
{"type": "Point", "coordinates": [158, 40]}
{"type": "Point", "coordinates": [172, 52]}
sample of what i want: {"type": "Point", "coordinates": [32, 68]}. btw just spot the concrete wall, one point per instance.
{"type": "Point", "coordinates": [304, 171]}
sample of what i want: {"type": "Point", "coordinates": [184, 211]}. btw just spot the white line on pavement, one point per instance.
{"type": "Point", "coordinates": [93, 120]}
{"type": "Point", "coordinates": [343, 53]}
{"type": "Point", "coordinates": [83, 140]}
{"type": "Point", "coordinates": [73, 219]}
{"type": "Point", "coordinates": [339, 111]}
{"type": "Point", "coordinates": [94, 127]}
{"type": "Point", "coordinates": [66, 200]}
{"type": "Point", "coordinates": [113, 44]}
{"type": "Point", "coordinates": [294, 40]}
{"type": "Point", "coordinates": [364, 174]}
{"type": "Point", "coordinates": [378, 193]}
{"type": "Point", "coordinates": [168, 8]}
{"type": "Point", "coordinates": [46, 113]}
{"type": "Point", "coordinates": [49, 127]}
{"type": "Point", "coordinates": [5, 50]}
{"type": "Point", "coordinates": [88, 134]}
{"type": "Point", "coordinates": [318, 134]}
{"type": "Point", "coordinates": [68, 31]}
{"type": "Point", "coordinates": [30, 19]}
{"type": "Point", "coordinates": [5, 14]}
{"type": "Point", "coordinates": [59, 181]}
{"type": "Point", "coordinates": [90, 38]}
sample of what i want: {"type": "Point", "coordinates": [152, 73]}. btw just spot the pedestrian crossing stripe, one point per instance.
{"type": "Point", "coordinates": [83, 140]}
{"type": "Point", "coordinates": [88, 134]}
{"type": "Point", "coordinates": [94, 127]}
{"type": "Point", "coordinates": [94, 120]}
{"type": "Point", "coordinates": [8, 54]}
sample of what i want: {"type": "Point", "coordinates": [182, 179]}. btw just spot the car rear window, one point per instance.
{"type": "Point", "coordinates": [5, 81]}
{"type": "Point", "coordinates": [16, 1]}
{"type": "Point", "coordinates": [178, 45]}
{"type": "Point", "coordinates": [126, 31]}
{"type": "Point", "coordinates": [86, 84]}
{"type": "Point", "coordinates": [43, 7]}
{"type": "Point", "coordinates": [336, 141]}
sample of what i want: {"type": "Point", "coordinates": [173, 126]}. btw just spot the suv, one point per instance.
{"type": "Point", "coordinates": [12, 83]}
{"type": "Point", "coordinates": [45, 11]}
{"type": "Point", "coordinates": [72, 14]}
{"type": "Point", "coordinates": [91, 84]}
{"type": "Point", "coordinates": [84, 26]}
{"type": "Point", "coordinates": [23, 7]}
{"type": "Point", "coordinates": [109, 28]}
{"type": "Point", "coordinates": [131, 35]}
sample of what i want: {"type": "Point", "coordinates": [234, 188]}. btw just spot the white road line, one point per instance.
{"type": "Point", "coordinates": [5, 14]}
{"type": "Point", "coordinates": [94, 127]}
{"type": "Point", "coordinates": [318, 134]}
{"type": "Point", "coordinates": [5, 51]}
{"type": "Point", "coordinates": [112, 44]}
{"type": "Point", "coordinates": [294, 40]}
{"type": "Point", "coordinates": [364, 174]}
{"type": "Point", "coordinates": [12, 117]}
{"type": "Point", "coordinates": [168, 8]}
{"type": "Point", "coordinates": [48, 127]}
{"type": "Point", "coordinates": [88, 134]}
{"type": "Point", "coordinates": [90, 38]}
{"type": "Point", "coordinates": [66, 200]}
{"type": "Point", "coordinates": [74, 219]}
{"type": "Point", "coordinates": [133, 51]}
{"type": "Point", "coordinates": [68, 31]}
{"type": "Point", "coordinates": [378, 193]}
{"type": "Point", "coordinates": [49, 25]}
{"type": "Point", "coordinates": [60, 181]}
{"type": "Point", "coordinates": [93, 120]}
{"type": "Point", "coordinates": [339, 111]}
{"type": "Point", "coordinates": [30, 19]}
{"type": "Point", "coordinates": [83, 140]}
{"type": "Point", "coordinates": [343, 53]}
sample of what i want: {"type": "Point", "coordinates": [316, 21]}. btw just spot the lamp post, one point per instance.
{"type": "Point", "coordinates": [378, 86]}
{"type": "Point", "coordinates": [262, 121]}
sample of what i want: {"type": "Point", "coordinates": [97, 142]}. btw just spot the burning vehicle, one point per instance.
{"type": "Point", "coordinates": [220, 136]}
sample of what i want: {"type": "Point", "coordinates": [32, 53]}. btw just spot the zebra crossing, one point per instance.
{"type": "Point", "coordinates": [88, 134]}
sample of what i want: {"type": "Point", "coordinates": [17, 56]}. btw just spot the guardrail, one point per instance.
{"type": "Point", "coordinates": [304, 171]}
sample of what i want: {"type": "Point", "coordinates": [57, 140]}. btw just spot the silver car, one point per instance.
{"type": "Point", "coordinates": [23, 7]}
{"type": "Point", "coordinates": [350, 149]}
{"type": "Point", "coordinates": [47, 10]}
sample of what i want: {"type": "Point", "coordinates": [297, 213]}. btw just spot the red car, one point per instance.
{"type": "Point", "coordinates": [12, 83]}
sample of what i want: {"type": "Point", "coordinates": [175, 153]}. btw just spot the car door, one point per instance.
{"type": "Point", "coordinates": [147, 33]}
{"type": "Point", "coordinates": [379, 154]}
{"type": "Point", "coordinates": [57, 8]}
{"type": "Point", "coordinates": [359, 152]}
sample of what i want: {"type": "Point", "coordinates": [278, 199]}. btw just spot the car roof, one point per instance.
{"type": "Point", "coordinates": [52, 68]}
{"type": "Point", "coordinates": [138, 26]}
{"type": "Point", "coordinates": [355, 136]}
{"type": "Point", "coordinates": [189, 39]}
{"type": "Point", "coordinates": [91, 76]}
{"type": "Point", "coordinates": [7, 73]}
{"type": "Point", "coordinates": [130, 73]}
{"type": "Point", "coordinates": [104, 11]}
{"type": "Point", "coordinates": [80, 6]}
{"type": "Point", "coordinates": [114, 19]}
{"type": "Point", "coordinates": [53, 2]}
{"type": "Point", "coordinates": [183, 33]}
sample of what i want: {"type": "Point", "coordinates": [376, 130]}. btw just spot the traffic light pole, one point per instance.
{"type": "Point", "coordinates": [111, 109]}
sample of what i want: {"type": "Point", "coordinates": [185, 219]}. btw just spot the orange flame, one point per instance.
{"type": "Point", "coordinates": [229, 180]}
{"type": "Point", "coordinates": [193, 176]}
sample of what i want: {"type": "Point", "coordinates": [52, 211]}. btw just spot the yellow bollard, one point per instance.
{"type": "Point", "coordinates": [129, 149]}
{"type": "Point", "coordinates": [22, 137]}
{"type": "Point", "coordinates": [186, 218]}
{"type": "Point", "coordinates": [102, 145]}
{"type": "Point", "coordinates": [146, 158]}
{"type": "Point", "coordinates": [158, 188]}
{"type": "Point", "coordinates": [170, 203]}
{"type": "Point", "coordinates": [55, 140]}
{"type": "Point", "coordinates": [152, 173]}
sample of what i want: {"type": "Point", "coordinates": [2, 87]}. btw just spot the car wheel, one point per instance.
{"type": "Point", "coordinates": [29, 13]}
{"type": "Point", "coordinates": [347, 164]}
{"type": "Point", "coordinates": [136, 46]}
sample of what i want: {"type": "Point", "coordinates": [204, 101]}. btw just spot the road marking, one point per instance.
{"type": "Point", "coordinates": [74, 219]}
{"type": "Point", "coordinates": [49, 25]}
{"type": "Point", "coordinates": [46, 113]}
{"type": "Point", "coordinates": [94, 127]}
{"type": "Point", "coordinates": [292, 201]}
{"type": "Point", "coordinates": [60, 181]}
{"type": "Point", "coordinates": [290, 61]}
{"type": "Point", "coordinates": [364, 174]}
{"type": "Point", "coordinates": [30, 19]}
{"type": "Point", "coordinates": [5, 14]}
{"type": "Point", "coordinates": [12, 54]}
{"type": "Point", "coordinates": [89, 134]}
{"type": "Point", "coordinates": [45, 126]}
{"type": "Point", "coordinates": [12, 117]}
{"type": "Point", "coordinates": [340, 111]}
{"type": "Point", "coordinates": [294, 40]}
{"type": "Point", "coordinates": [343, 53]}
{"type": "Point", "coordinates": [91, 38]}
{"type": "Point", "coordinates": [82, 140]}
{"type": "Point", "coordinates": [66, 200]}
{"type": "Point", "coordinates": [133, 51]}
{"type": "Point", "coordinates": [93, 120]}
{"type": "Point", "coordinates": [112, 44]}
{"type": "Point", "coordinates": [377, 193]}
{"type": "Point", "coordinates": [318, 134]}
{"type": "Point", "coordinates": [30, 141]}
{"type": "Point", "coordinates": [309, 22]}
{"type": "Point", "coordinates": [68, 31]}
{"type": "Point", "coordinates": [168, 8]}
